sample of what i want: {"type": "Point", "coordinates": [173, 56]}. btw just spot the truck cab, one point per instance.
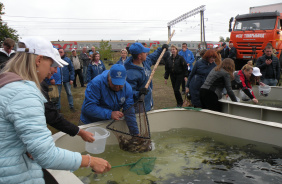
{"type": "Point", "coordinates": [252, 32]}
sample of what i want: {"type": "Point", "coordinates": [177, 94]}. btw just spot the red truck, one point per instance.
{"type": "Point", "coordinates": [251, 33]}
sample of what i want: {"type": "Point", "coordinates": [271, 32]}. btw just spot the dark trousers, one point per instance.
{"type": "Point", "coordinates": [176, 81]}
{"type": "Point", "coordinates": [79, 73]}
{"type": "Point", "coordinates": [209, 100]}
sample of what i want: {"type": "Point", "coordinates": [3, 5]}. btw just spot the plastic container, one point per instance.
{"type": "Point", "coordinates": [229, 99]}
{"type": "Point", "coordinates": [245, 97]}
{"type": "Point", "coordinates": [264, 90]}
{"type": "Point", "coordinates": [100, 135]}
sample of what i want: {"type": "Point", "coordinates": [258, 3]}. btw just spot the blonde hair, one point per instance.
{"type": "Point", "coordinates": [250, 62]}
{"type": "Point", "coordinates": [173, 46]}
{"type": "Point", "coordinates": [248, 67]}
{"type": "Point", "coordinates": [23, 64]}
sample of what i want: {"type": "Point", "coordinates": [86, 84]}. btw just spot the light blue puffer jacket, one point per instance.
{"type": "Point", "coordinates": [23, 129]}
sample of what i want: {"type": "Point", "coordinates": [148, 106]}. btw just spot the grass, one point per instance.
{"type": "Point", "coordinates": [162, 94]}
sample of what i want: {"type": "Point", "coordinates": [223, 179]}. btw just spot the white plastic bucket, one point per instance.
{"type": "Point", "coordinates": [245, 97]}
{"type": "Point", "coordinates": [229, 99]}
{"type": "Point", "coordinates": [100, 135]}
{"type": "Point", "coordinates": [264, 90]}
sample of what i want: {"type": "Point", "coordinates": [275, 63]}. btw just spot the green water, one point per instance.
{"type": "Point", "coordinates": [192, 156]}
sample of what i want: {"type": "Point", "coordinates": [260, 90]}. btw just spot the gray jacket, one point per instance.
{"type": "Point", "coordinates": [85, 59]}
{"type": "Point", "coordinates": [217, 80]}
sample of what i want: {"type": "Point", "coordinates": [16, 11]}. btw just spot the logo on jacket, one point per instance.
{"type": "Point", "coordinates": [122, 100]}
{"type": "Point", "coordinates": [147, 72]}
{"type": "Point", "coordinates": [101, 67]}
{"type": "Point", "coordinates": [119, 75]}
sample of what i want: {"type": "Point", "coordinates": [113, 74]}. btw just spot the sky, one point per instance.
{"type": "Point", "coordinates": [72, 20]}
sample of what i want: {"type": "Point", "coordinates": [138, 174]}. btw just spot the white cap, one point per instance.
{"type": "Point", "coordinates": [215, 46]}
{"type": "Point", "coordinates": [39, 46]}
{"type": "Point", "coordinates": [58, 57]}
{"type": "Point", "coordinates": [256, 72]}
{"type": "Point", "coordinates": [73, 50]}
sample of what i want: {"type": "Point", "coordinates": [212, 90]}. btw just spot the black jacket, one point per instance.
{"type": "Point", "coordinates": [224, 53]}
{"type": "Point", "coordinates": [53, 117]}
{"type": "Point", "coordinates": [176, 66]}
{"type": "Point", "coordinates": [263, 66]}
{"type": "Point", "coordinates": [232, 53]}
{"type": "Point", "coordinates": [4, 57]}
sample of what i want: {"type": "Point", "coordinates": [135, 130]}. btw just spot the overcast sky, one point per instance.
{"type": "Point", "coordinates": [124, 19]}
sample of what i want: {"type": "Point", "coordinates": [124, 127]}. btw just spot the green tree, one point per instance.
{"type": "Point", "coordinates": [105, 50]}
{"type": "Point", "coordinates": [5, 30]}
{"type": "Point", "coordinates": [227, 39]}
{"type": "Point", "coordinates": [221, 39]}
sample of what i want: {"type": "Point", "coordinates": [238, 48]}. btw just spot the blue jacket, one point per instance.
{"type": "Point", "coordinates": [93, 70]}
{"type": "Point", "coordinates": [23, 129]}
{"type": "Point", "coordinates": [188, 56]}
{"type": "Point", "coordinates": [68, 71]}
{"type": "Point", "coordinates": [138, 76]}
{"type": "Point", "coordinates": [197, 78]}
{"type": "Point", "coordinates": [57, 76]}
{"type": "Point", "coordinates": [120, 61]}
{"type": "Point", "coordinates": [100, 101]}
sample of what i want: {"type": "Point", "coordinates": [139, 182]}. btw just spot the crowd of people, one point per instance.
{"type": "Point", "coordinates": [27, 74]}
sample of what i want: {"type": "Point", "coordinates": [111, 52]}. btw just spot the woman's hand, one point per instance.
{"type": "Point", "coordinates": [100, 165]}
{"type": "Point", "coordinates": [186, 90]}
{"type": "Point", "coordinates": [86, 136]}
{"type": "Point", "coordinates": [186, 79]}
{"type": "Point", "coordinates": [255, 100]}
{"type": "Point", "coordinates": [165, 81]}
{"type": "Point", "coordinates": [261, 84]}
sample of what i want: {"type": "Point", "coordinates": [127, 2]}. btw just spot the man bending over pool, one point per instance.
{"type": "Point", "coordinates": [106, 95]}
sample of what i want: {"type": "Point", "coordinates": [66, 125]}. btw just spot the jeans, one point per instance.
{"type": "Point", "coordinates": [67, 87]}
{"type": "Point", "coordinates": [270, 82]}
{"type": "Point", "coordinates": [85, 74]}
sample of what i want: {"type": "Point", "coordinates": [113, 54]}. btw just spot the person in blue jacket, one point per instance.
{"type": "Point", "coordinates": [67, 74]}
{"type": "Point", "coordinates": [189, 58]}
{"type": "Point", "coordinates": [138, 68]}
{"type": "Point", "coordinates": [198, 76]}
{"type": "Point", "coordinates": [95, 67]}
{"type": "Point", "coordinates": [123, 57]}
{"type": "Point", "coordinates": [106, 95]}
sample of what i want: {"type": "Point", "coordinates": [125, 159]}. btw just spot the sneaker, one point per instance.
{"type": "Point", "coordinates": [72, 109]}
{"type": "Point", "coordinates": [83, 86]}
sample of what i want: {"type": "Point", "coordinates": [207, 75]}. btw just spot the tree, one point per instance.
{"type": "Point", "coordinates": [227, 39]}
{"type": "Point", "coordinates": [105, 50]}
{"type": "Point", "coordinates": [221, 39]}
{"type": "Point", "coordinates": [5, 31]}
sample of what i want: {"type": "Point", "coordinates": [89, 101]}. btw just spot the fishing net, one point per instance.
{"type": "Point", "coordinates": [128, 141]}
{"type": "Point", "coordinates": [143, 166]}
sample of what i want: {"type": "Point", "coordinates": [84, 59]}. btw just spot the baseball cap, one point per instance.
{"type": "Point", "coordinates": [118, 74]}
{"type": "Point", "coordinates": [58, 57]}
{"type": "Point", "coordinates": [215, 46]}
{"type": "Point", "coordinates": [72, 49]}
{"type": "Point", "coordinates": [137, 48]}
{"type": "Point", "coordinates": [256, 72]}
{"type": "Point", "coordinates": [39, 46]}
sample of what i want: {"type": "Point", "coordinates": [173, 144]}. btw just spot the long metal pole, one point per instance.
{"type": "Point", "coordinates": [169, 31]}
{"type": "Point", "coordinates": [201, 17]}
{"type": "Point", "coordinates": [204, 33]}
